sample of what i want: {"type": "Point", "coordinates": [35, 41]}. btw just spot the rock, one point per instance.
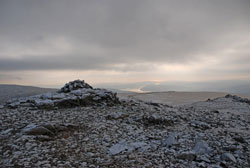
{"type": "Point", "coordinates": [202, 164]}
{"type": "Point", "coordinates": [215, 111]}
{"type": "Point", "coordinates": [239, 139]}
{"type": "Point", "coordinates": [201, 147]}
{"type": "Point", "coordinates": [169, 141]}
{"type": "Point", "coordinates": [204, 158]}
{"type": "Point", "coordinates": [7, 131]}
{"type": "Point", "coordinates": [200, 124]}
{"type": "Point", "coordinates": [137, 145]}
{"type": "Point", "coordinates": [29, 127]}
{"type": "Point", "coordinates": [114, 116]}
{"type": "Point", "coordinates": [228, 157]}
{"type": "Point", "coordinates": [58, 96]}
{"type": "Point", "coordinates": [84, 164]}
{"type": "Point", "coordinates": [46, 96]}
{"type": "Point", "coordinates": [50, 127]}
{"type": "Point", "coordinates": [153, 104]}
{"type": "Point", "coordinates": [118, 148]}
{"type": "Point", "coordinates": [37, 130]}
{"type": "Point", "coordinates": [230, 148]}
{"type": "Point", "coordinates": [44, 103]}
{"type": "Point", "coordinates": [187, 156]}
{"type": "Point", "coordinates": [13, 104]}
{"type": "Point", "coordinates": [43, 138]}
{"type": "Point", "coordinates": [155, 119]}
{"type": "Point", "coordinates": [124, 146]}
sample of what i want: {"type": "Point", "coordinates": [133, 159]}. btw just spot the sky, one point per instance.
{"type": "Point", "coordinates": [50, 42]}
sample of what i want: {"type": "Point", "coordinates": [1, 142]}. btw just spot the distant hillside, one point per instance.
{"type": "Point", "coordinates": [225, 86]}
{"type": "Point", "coordinates": [14, 91]}
{"type": "Point", "coordinates": [118, 91]}
{"type": "Point", "coordinates": [175, 98]}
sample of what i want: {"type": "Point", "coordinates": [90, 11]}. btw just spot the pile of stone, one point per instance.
{"type": "Point", "coordinates": [74, 93]}
{"type": "Point", "coordinates": [74, 85]}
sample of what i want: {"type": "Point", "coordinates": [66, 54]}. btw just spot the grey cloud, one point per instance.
{"type": "Point", "coordinates": [131, 31]}
{"type": "Point", "coordinates": [69, 63]}
{"type": "Point", "coordinates": [45, 63]}
{"type": "Point", "coordinates": [4, 77]}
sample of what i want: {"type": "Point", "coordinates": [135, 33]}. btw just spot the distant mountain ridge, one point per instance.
{"type": "Point", "coordinates": [227, 86]}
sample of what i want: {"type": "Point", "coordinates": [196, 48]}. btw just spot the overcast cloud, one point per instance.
{"type": "Point", "coordinates": [126, 36]}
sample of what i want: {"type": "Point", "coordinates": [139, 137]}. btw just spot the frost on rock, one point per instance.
{"type": "Point", "coordinates": [74, 93]}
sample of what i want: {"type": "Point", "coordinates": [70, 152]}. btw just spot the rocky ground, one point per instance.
{"type": "Point", "coordinates": [102, 131]}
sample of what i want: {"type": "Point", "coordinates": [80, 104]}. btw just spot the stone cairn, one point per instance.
{"type": "Point", "coordinates": [74, 85]}
{"type": "Point", "coordinates": [74, 93]}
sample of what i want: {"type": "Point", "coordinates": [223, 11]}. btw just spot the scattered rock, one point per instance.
{"type": "Point", "coordinates": [98, 130]}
